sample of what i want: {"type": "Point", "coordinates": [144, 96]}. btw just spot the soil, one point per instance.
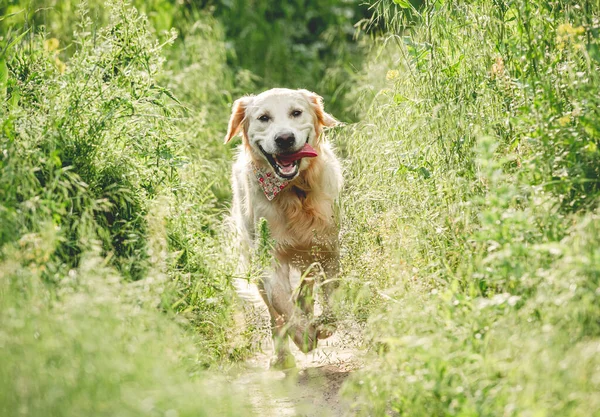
{"type": "Point", "coordinates": [312, 389]}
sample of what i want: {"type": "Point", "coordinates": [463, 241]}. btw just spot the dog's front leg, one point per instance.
{"type": "Point", "coordinates": [326, 322]}
{"type": "Point", "coordinates": [274, 288]}
{"type": "Point", "coordinates": [279, 294]}
{"type": "Point", "coordinates": [282, 357]}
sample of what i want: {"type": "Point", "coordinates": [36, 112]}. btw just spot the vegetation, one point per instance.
{"type": "Point", "coordinates": [109, 205]}
{"type": "Point", "coordinates": [473, 191]}
{"type": "Point", "coordinates": [471, 230]}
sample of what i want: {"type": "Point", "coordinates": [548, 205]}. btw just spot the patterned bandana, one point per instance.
{"type": "Point", "coordinates": [270, 183]}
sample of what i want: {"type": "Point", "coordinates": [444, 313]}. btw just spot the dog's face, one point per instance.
{"type": "Point", "coordinates": [281, 127]}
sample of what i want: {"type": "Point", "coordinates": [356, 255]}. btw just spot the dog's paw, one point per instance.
{"type": "Point", "coordinates": [326, 325]}
{"type": "Point", "coordinates": [282, 362]}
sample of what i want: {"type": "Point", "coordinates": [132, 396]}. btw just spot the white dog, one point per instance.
{"type": "Point", "coordinates": [286, 173]}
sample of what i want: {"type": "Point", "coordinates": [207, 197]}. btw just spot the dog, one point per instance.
{"type": "Point", "coordinates": [287, 173]}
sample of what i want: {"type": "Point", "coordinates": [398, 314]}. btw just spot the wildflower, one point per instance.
{"type": "Point", "coordinates": [566, 33]}
{"type": "Point", "coordinates": [392, 75]}
{"type": "Point", "coordinates": [568, 29]}
{"type": "Point", "coordinates": [60, 64]}
{"type": "Point", "coordinates": [564, 120]}
{"type": "Point", "coordinates": [51, 44]}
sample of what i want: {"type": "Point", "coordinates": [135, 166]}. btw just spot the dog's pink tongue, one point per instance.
{"type": "Point", "coordinates": [306, 152]}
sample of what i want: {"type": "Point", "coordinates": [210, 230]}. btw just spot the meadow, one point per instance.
{"type": "Point", "coordinates": [470, 219]}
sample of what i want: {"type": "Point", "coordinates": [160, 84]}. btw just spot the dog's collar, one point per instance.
{"type": "Point", "coordinates": [270, 183]}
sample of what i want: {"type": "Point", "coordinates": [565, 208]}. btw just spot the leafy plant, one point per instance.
{"type": "Point", "coordinates": [472, 187]}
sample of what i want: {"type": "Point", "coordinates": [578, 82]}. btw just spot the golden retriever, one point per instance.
{"type": "Point", "coordinates": [286, 173]}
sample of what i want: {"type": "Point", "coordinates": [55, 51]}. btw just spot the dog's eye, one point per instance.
{"type": "Point", "coordinates": [296, 113]}
{"type": "Point", "coordinates": [264, 118]}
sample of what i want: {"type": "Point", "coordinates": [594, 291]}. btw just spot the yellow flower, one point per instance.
{"type": "Point", "coordinates": [566, 33]}
{"type": "Point", "coordinates": [563, 121]}
{"type": "Point", "coordinates": [564, 29]}
{"type": "Point", "coordinates": [568, 29]}
{"type": "Point", "coordinates": [392, 75]}
{"type": "Point", "coordinates": [51, 44]}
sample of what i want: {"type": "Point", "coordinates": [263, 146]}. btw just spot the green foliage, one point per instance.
{"type": "Point", "coordinates": [58, 18]}
{"type": "Point", "coordinates": [110, 211]}
{"type": "Point", "coordinates": [470, 223]}
{"type": "Point", "coordinates": [95, 345]}
{"type": "Point", "coordinates": [87, 144]}
{"type": "Point", "coordinates": [199, 266]}
{"type": "Point", "coordinates": [474, 182]}
{"type": "Point", "coordinates": [304, 44]}
{"type": "Point", "coordinates": [299, 44]}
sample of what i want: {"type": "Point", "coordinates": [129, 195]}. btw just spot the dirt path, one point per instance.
{"type": "Point", "coordinates": [310, 390]}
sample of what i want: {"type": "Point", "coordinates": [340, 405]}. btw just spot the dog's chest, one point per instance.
{"type": "Point", "coordinates": [299, 219]}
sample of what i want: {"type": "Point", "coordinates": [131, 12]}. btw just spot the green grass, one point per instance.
{"type": "Point", "coordinates": [470, 222]}
{"type": "Point", "coordinates": [97, 346]}
{"type": "Point", "coordinates": [114, 289]}
{"type": "Point", "coordinates": [472, 209]}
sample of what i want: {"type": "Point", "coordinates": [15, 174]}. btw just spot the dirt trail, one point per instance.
{"type": "Point", "coordinates": [310, 390]}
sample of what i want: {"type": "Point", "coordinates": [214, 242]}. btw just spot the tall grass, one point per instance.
{"type": "Point", "coordinates": [114, 288]}
{"type": "Point", "coordinates": [471, 212]}
{"type": "Point", "coordinates": [470, 223]}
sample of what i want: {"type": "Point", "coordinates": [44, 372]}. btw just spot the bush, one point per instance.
{"type": "Point", "coordinates": [300, 44]}
{"type": "Point", "coordinates": [96, 346]}
{"type": "Point", "coordinates": [107, 217]}
{"type": "Point", "coordinates": [87, 144]}
{"type": "Point", "coordinates": [471, 211]}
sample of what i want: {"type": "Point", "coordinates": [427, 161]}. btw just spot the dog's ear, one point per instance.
{"type": "Point", "coordinates": [316, 101]}
{"type": "Point", "coordinates": [238, 117]}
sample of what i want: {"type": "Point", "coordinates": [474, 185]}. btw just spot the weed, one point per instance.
{"type": "Point", "coordinates": [472, 187]}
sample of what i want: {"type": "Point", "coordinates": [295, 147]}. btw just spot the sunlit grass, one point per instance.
{"type": "Point", "coordinates": [471, 213]}
{"type": "Point", "coordinates": [470, 224]}
{"type": "Point", "coordinates": [114, 294]}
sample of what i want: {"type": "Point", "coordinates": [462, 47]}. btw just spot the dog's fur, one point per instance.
{"type": "Point", "coordinates": [302, 219]}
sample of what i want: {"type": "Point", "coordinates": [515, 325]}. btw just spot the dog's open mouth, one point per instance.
{"type": "Point", "coordinates": [286, 165]}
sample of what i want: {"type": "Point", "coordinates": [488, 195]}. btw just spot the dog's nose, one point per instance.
{"type": "Point", "coordinates": [285, 140]}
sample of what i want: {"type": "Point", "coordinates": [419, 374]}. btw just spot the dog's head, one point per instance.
{"type": "Point", "coordinates": [281, 128]}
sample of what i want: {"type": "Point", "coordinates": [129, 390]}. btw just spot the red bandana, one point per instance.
{"type": "Point", "coordinates": [270, 183]}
